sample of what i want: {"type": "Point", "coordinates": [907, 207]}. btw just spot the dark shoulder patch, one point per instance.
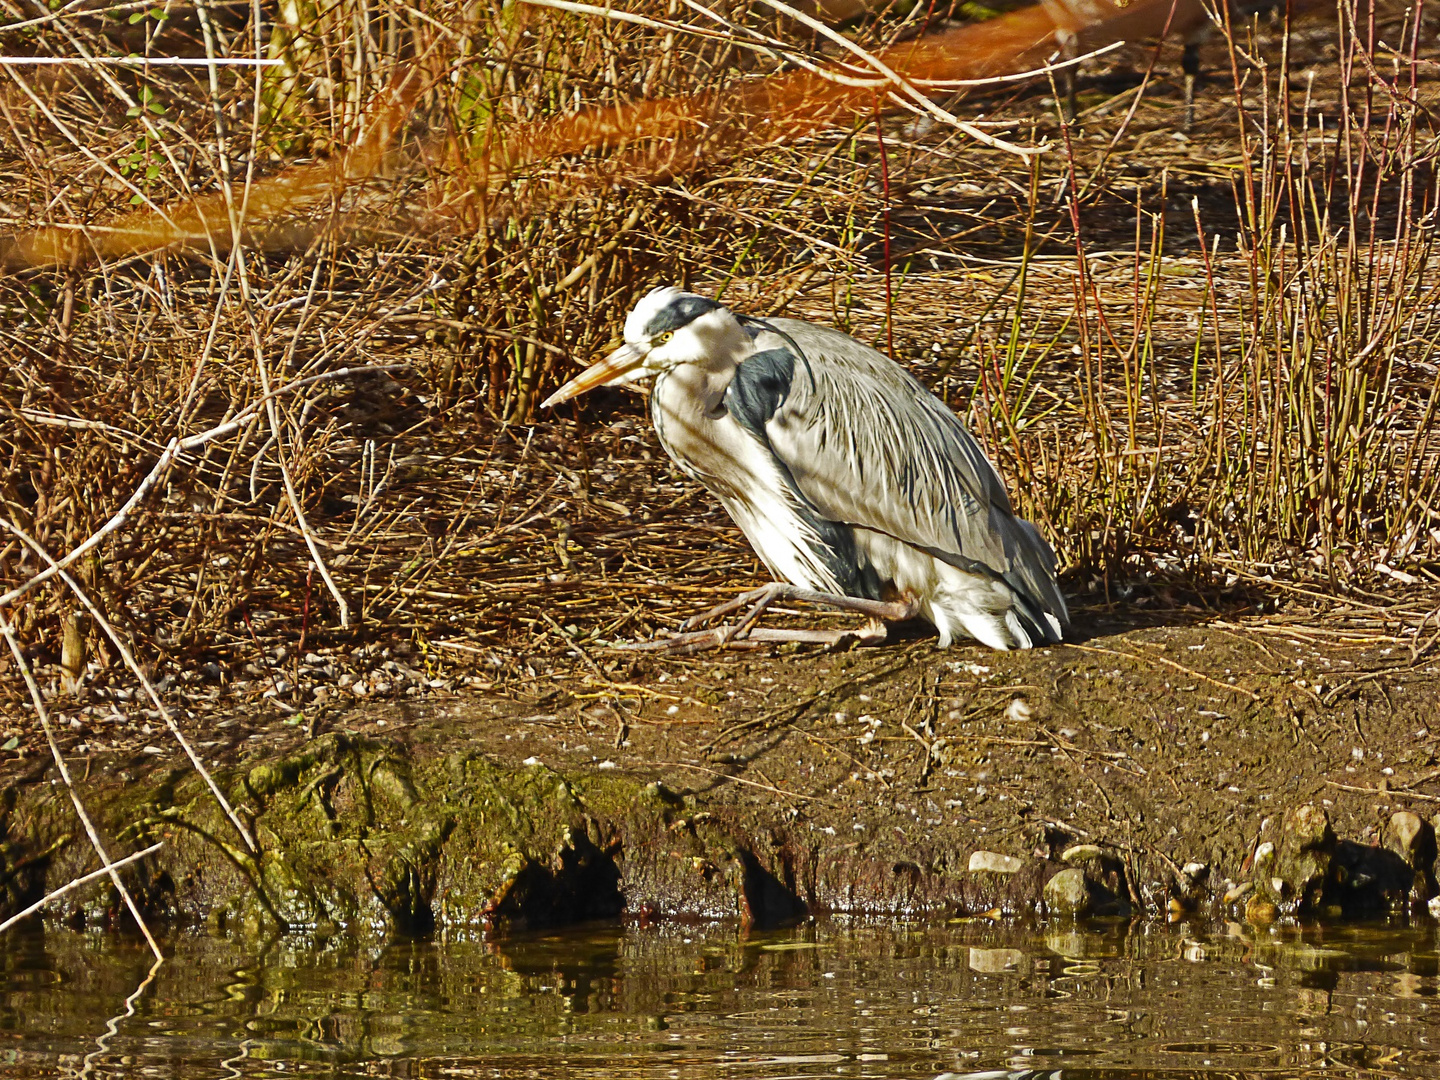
{"type": "Point", "coordinates": [681, 311]}
{"type": "Point", "coordinates": [754, 327]}
{"type": "Point", "coordinates": [760, 386]}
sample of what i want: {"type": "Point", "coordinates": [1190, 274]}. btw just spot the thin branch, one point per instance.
{"type": "Point", "coordinates": [102, 872]}
{"type": "Point", "coordinates": [8, 632]}
{"type": "Point", "coordinates": [150, 691]}
{"type": "Point", "coordinates": [173, 449]}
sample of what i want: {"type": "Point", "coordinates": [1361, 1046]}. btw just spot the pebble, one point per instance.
{"type": "Point", "coordinates": [1067, 894]}
{"type": "Point", "coordinates": [1259, 912]}
{"type": "Point", "coordinates": [1081, 853]}
{"type": "Point", "coordinates": [994, 863]}
{"type": "Point", "coordinates": [1411, 837]}
{"type": "Point", "coordinates": [1239, 892]}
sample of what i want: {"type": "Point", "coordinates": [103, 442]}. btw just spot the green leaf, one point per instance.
{"type": "Point", "coordinates": [136, 200]}
{"type": "Point", "coordinates": [12, 743]}
{"type": "Point", "coordinates": [152, 171]}
{"type": "Point", "coordinates": [139, 16]}
{"type": "Point", "coordinates": [133, 111]}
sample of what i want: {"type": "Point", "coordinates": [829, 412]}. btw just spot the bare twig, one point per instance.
{"type": "Point", "coordinates": [8, 632]}
{"type": "Point", "coordinates": [138, 672]}
{"type": "Point", "coordinates": [75, 884]}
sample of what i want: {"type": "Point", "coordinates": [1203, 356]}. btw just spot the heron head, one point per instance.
{"type": "Point", "coordinates": [667, 328]}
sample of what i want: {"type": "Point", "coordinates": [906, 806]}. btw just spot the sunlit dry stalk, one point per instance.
{"type": "Point", "coordinates": [645, 141]}
{"type": "Point", "coordinates": [165, 713]}
{"type": "Point", "coordinates": [8, 632]}
{"type": "Point", "coordinates": [70, 886]}
{"type": "Point", "coordinates": [206, 220]}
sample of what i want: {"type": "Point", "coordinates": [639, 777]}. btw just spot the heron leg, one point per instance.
{"type": "Point", "coordinates": [721, 610]}
{"type": "Point", "coordinates": [744, 632]}
{"type": "Point", "coordinates": [763, 597]}
{"type": "Point", "coordinates": [873, 632]}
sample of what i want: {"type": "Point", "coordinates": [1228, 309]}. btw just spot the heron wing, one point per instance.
{"type": "Point", "coordinates": [865, 444]}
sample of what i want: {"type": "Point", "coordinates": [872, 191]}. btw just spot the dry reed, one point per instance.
{"type": "Point", "coordinates": [1203, 365]}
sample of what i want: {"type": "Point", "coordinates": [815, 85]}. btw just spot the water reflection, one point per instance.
{"type": "Point", "coordinates": [834, 999]}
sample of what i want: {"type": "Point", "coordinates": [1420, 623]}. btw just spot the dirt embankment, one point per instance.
{"type": "Point", "coordinates": [1257, 771]}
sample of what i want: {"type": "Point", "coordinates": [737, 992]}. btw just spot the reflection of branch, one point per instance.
{"type": "Point", "coordinates": [8, 632]}
{"type": "Point", "coordinates": [76, 884]}
{"type": "Point", "coordinates": [112, 1026]}
{"type": "Point", "coordinates": [230, 1062]}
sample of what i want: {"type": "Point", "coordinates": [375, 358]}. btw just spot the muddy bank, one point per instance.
{"type": "Point", "coordinates": [1246, 772]}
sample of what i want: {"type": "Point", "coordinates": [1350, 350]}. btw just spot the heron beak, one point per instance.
{"type": "Point", "coordinates": [621, 366]}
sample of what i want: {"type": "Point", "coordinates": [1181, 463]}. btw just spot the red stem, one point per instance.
{"type": "Point", "coordinates": [885, 189]}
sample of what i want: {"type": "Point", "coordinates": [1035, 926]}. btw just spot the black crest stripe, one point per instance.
{"type": "Point", "coordinates": [681, 311]}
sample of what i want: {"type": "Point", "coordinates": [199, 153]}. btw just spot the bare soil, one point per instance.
{"type": "Point", "coordinates": [764, 785]}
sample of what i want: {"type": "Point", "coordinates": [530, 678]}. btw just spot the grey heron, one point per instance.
{"type": "Point", "coordinates": [856, 486]}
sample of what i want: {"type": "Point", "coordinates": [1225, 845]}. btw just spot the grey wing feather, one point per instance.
{"type": "Point", "coordinates": [868, 445]}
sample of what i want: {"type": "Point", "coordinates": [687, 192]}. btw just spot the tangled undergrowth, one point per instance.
{"type": "Point", "coordinates": [1202, 360]}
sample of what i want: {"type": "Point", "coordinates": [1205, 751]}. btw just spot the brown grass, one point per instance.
{"type": "Point", "coordinates": [1203, 365]}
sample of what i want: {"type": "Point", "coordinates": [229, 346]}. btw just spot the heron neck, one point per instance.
{"type": "Point", "coordinates": [700, 387]}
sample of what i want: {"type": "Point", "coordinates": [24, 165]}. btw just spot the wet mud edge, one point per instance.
{"type": "Point", "coordinates": [443, 817]}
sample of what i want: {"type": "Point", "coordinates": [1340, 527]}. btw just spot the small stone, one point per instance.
{"type": "Point", "coordinates": [1077, 853]}
{"type": "Point", "coordinates": [1196, 871]}
{"type": "Point", "coordinates": [1019, 710]}
{"type": "Point", "coordinates": [1239, 892]}
{"type": "Point", "coordinates": [210, 671]}
{"type": "Point", "coordinates": [1434, 906]}
{"type": "Point", "coordinates": [1308, 826]}
{"type": "Point", "coordinates": [152, 750]}
{"type": "Point", "coordinates": [994, 863]}
{"type": "Point", "coordinates": [1411, 837]}
{"type": "Point", "coordinates": [1259, 911]}
{"type": "Point", "coordinates": [532, 761]}
{"type": "Point", "coordinates": [1067, 894]}
{"type": "Point", "coordinates": [1263, 852]}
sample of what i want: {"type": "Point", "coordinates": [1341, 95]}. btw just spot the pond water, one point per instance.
{"type": "Point", "coordinates": [824, 1000]}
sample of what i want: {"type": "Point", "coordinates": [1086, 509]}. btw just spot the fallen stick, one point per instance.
{"type": "Point", "coordinates": [104, 870]}
{"type": "Point", "coordinates": [8, 632]}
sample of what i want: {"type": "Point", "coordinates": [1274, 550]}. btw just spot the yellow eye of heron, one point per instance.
{"type": "Point", "coordinates": [666, 336]}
